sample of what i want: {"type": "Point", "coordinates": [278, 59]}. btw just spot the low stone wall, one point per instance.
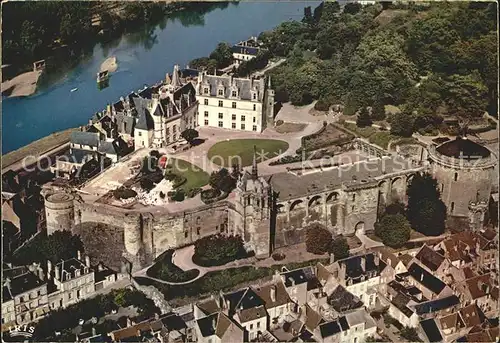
{"type": "Point", "coordinates": [151, 292]}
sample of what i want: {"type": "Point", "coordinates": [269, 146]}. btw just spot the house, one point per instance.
{"type": "Point", "coordinates": [391, 260]}
{"type": "Point", "coordinates": [206, 307]}
{"type": "Point", "coordinates": [299, 283]}
{"type": "Point", "coordinates": [432, 261]}
{"type": "Point", "coordinates": [472, 316]}
{"type": "Point", "coordinates": [431, 286]}
{"type": "Point", "coordinates": [400, 310]}
{"type": "Point", "coordinates": [276, 301]}
{"type": "Point", "coordinates": [245, 50]}
{"type": "Point", "coordinates": [477, 290]}
{"type": "Point", "coordinates": [70, 281]}
{"type": "Point", "coordinates": [234, 103]}
{"type": "Point", "coordinates": [218, 328]}
{"type": "Point", "coordinates": [342, 301]}
{"type": "Point", "coordinates": [361, 275]}
{"type": "Point", "coordinates": [437, 307]}
{"type": "Point", "coordinates": [24, 295]}
{"type": "Point", "coordinates": [248, 310]}
{"type": "Point", "coordinates": [452, 326]}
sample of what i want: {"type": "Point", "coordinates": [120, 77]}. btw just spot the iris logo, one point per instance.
{"type": "Point", "coordinates": [21, 330]}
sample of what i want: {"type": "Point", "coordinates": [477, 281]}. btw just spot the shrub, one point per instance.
{"type": "Point", "coordinates": [393, 229]}
{"type": "Point", "coordinates": [278, 256]}
{"type": "Point", "coordinates": [218, 250]}
{"type": "Point", "coordinates": [155, 153]}
{"type": "Point", "coordinates": [318, 239]}
{"type": "Point", "coordinates": [147, 184]}
{"type": "Point", "coordinates": [208, 194]}
{"type": "Point", "coordinates": [279, 122]}
{"type": "Point", "coordinates": [340, 248]}
{"type": "Point", "coordinates": [321, 105]}
{"type": "Point", "coordinates": [193, 192]}
{"type": "Point", "coordinates": [178, 195]}
{"type": "Point", "coordinates": [124, 193]}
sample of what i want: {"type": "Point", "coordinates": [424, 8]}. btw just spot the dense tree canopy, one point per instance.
{"type": "Point", "coordinates": [340, 248]}
{"type": "Point", "coordinates": [426, 212]}
{"type": "Point", "coordinates": [318, 239]}
{"type": "Point", "coordinates": [393, 229]}
{"type": "Point", "coordinates": [431, 61]}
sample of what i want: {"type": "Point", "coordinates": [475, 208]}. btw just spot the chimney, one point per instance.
{"type": "Point", "coordinates": [421, 277]}
{"type": "Point", "coordinates": [292, 281]}
{"type": "Point", "coordinates": [363, 262]}
{"type": "Point", "coordinates": [273, 293]}
{"type": "Point", "coordinates": [478, 247]}
{"type": "Point", "coordinates": [87, 261]}
{"type": "Point", "coordinates": [332, 258]}
{"type": "Point", "coordinates": [100, 267]}
{"type": "Point", "coordinates": [376, 260]}
{"type": "Point", "coordinates": [228, 304]}
{"type": "Point", "coordinates": [129, 322]}
{"type": "Point", "coordinates": [41, 274]}
{"type": "Point", "coordinates": [94, 332]}
{"type": "Point", "coordinates": [389, 262]}
{"type": "Point", "coordinates": [214, 323]}
{"type": "Point", "coordinates": [6, 283]}
{"type": "Point", "coordinates": [57, 273]}
{"type": "Point", "coordinates": [49, 269]}
{"type": "Point", "coordinates": [79, 255]}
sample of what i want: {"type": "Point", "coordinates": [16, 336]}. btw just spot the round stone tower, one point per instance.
{"type": "Point", "coordinates": [464, 171]}
{"type": "Point", "coordinates": [59, 212]}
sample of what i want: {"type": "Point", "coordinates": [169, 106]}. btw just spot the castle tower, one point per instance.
{"type": "Point", "coordinates": [253, 211]}
{"type": "Point", "coordinates": [269, 103]}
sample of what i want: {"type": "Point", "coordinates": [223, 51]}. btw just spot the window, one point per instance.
{"type": "Point", "coordinates": [221, 228]}
{"type": "Point", "coordinates": [452, 206]}
{"type": "Point", "coordinates": [221, 124]}
{"type": "Point", "coordinates": [242, 118]}
{"type": "Point", "coordinates": [233, 104]}
{"type": "Point", "coordinates": [174, 128]}
{"type": "Point", "coordinates": [233, 117]}
{"type": "Point", "coordinates": [258, 325]}
{"type": "Point", "coordinates": [205, 90]}
{"type": "Point", "coordinates": [185, 234]}
{"type": "Point", "coordinates": [234, 94]}
{"type": "Point", "coordinates": [243, 126]}
{"type": "Point", "coordinates": [254, 119]}
{"type": "Point", "coordinates": [205, 101]}
{"type": "Point", "coordinates": [251, 326]}
{"type": "Point", "coordinates": [254, 107]}
{"type": "Point", "coordinates": [456, 176]}
{"type": "Point", "coordinates": [198, 231]}
{"type": "Point", "coordinates": [206, 122]}
{"type": "Point", "coordinates": [205, 114]}
{"type": "Point", "coordinates": [174, 137]}
{"type": "Point", "coordinates": [254, 96]}
{"type": "Point", "coordinates": [221, 103]}
{"type": "Point", "coordinates": [353, 197]}
{"type": "Point", "coordinates": [254, 128]}
{"type": "Point", "coordinates": [221, 92]}
{"type": "Point", "coordinates": [233, 125]}
{"type": "Point", "coordinates": [355, 339]}
{"type": "Point", "coordinates": [70, 295]}
{"type": "Point", "coordinates": [221, 115]}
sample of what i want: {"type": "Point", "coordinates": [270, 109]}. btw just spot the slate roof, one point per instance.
{"type": "Point", "coordinates": [451, 321]}
{"type": "Point", "coordinates": [144, 118]}
{"type": "Point", "coordinates": [290, 186]}
{"type": "Point", "coordinates": [313, 318]}
{"type": "Point", "coordinates": [437, 305]}
{"type": "Point", "coordinates": [21, 284]}
{"type": "Point", "coordinates": [299, 276]}
{"type": "Point", "coordinates": [246, 304]}
{"type": "Point", "coordinates": [69, 266]}
{"type": "Point", "coordinates": [400, 301]}
{"type": "Point", "coordinates": [333, 327]}
{"type": "Point", "coordinates": [429, 258]}
{"type": "Point", "coordinates": [478, 286]}
{"type": "Point", "coordinates": [463, 148]}
{"type": "Point", "coordinates": [431, 330]}
{"type": "Point", "coordinates": [245, 86]}
{"type": "Point", "coordinates": [354, 270]}
{"type": "Point", "coordinates": [342, 300]}
{"type": "Point", "coordinates": [115, 147]}
{"type": "Point", "coordinates": [426, 279]}
{"type": "Point", "coordinates": [246, 50]}
{"type": "Point", "coordinates": [125, 124]}
{"type": "Point", "coordinates": [173, 322]}
{"type": "Point", "coordinates": [79, 155]}
{"type": "Point", "coordinates": [472, 315]}
{"type": "Point", "coordinates": [208, 325]}
{"type": "Point", "coordinates": [85, 138]}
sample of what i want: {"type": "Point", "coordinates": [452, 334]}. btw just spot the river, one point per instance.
{"type": "Point", "coordinates": [143, 58]}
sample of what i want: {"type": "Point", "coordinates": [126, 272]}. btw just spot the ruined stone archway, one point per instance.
{"type": "Point", "coordinates": [334, 196]}
{"type": "Point", "coordinates": [280, 208]}
{"type": "Point", "coordinates": [359, 229]}
{"type": "Point", "coordinates": [397, 189]}
{"type": "Point", "coordinates": [314, 201]}
{"type": "Point", "coordinates": [297, 205]}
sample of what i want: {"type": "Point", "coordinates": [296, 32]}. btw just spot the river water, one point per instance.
{"type": "Point", "coordinates": [143, 58]}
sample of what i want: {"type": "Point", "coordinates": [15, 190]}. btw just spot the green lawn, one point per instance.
{"type": "Point", "coordinates": [240, 151]}
{"type": "Point", "coordinates": [195, 176]}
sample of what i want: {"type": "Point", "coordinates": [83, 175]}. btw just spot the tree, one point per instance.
{"type": "Point", "coordinates": [395, 208]}
{"type": "Point", "coordinates": [352, 7]}
{"type": "Point", "coordinates": [426, 212]}
{"type": "Point", "coordinates": [222, 180]}
{"type": "Point", "coordinates": [318, 239]}
{"type": "Point", "coordinates": [364, 118]}
{"type": "Point", "coordinates": [393, 229]}
{"type": "Point", "coordinates": [402, 124]}
{"type": "Point", "coordinates": [218, 249]}
{"type": "Point", "coordinates": [190, 135]}
{"type": "Point", "coordinates": [378, 111]}
{"type": "Point", "coordinates": [340, 248]}
{"type": "Point", "coordinates": [222, 54]}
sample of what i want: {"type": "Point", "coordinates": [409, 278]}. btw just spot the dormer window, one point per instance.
{"type": "Point", "coordinates": [205, 90]}
{"type": "Point", "coordinates": [221, 92]}
{"type": "Point", "coordinates": [234, 94]}
{"type": "Point", "coordinates": [254, 96]}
